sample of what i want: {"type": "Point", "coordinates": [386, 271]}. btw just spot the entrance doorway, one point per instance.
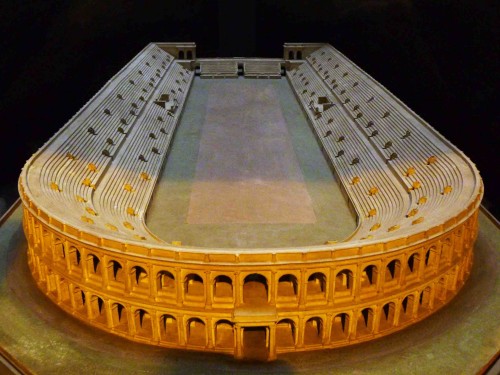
{"type": "Point", "coordinates": [256, 343]}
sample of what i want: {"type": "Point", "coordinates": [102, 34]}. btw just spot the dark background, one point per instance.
{"type": "Point", "coordinates": [439, 57]}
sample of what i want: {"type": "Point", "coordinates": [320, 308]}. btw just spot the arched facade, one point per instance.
{"type": "Point", "coordinates": [352, 295]}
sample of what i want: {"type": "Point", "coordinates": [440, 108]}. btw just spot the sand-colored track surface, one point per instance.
{"type": "Point", "coordinates": [246, 171]}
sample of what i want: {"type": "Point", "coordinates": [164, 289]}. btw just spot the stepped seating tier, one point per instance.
{"type": "Point", "coordinates": [219, 68]}
{"type": "Point", "coordinates": [370, 98]}
{"type": "Point", "coordinates": [393, 198]}
{"type": "Point", "coordinates": [88, 161]}
{"type": "Point", "coordinates": [262, 69]}
{"type": "Point", "coordinates": [425, 164]}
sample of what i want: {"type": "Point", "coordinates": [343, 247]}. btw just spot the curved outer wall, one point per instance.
{"type": "Point", "coordinates": [303, 299]}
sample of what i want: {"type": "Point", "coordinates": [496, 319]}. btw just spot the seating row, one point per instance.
{"type": "Point", "coordinates": [432, 173]}
{"type": "Point", "coordinates": [262, 68]}
{"type": "Point", "coordinates": [220, 68]}
{"type": "Point", "coordinates": [70, 172]}
{"type": "Point", "coordinates": [377, 196]}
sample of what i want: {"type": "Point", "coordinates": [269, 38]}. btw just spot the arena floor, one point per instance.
{"type": "Point", "coordinates": [459, 339]}
{"type": "Point", "coordinates": [245, 170]}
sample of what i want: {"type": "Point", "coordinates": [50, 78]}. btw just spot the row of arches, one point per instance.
{"type": "Point", "coordinates": [290, 332]}
{"type": "Point", "coordinates": [188, 54]}
{"type": "Point", "coordinates": [255, 287]}
{"type": "Point", "coordinates": [294, 55]}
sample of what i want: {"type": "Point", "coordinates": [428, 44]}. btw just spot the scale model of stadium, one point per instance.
{"type": "Point", "coordinates": [236, 256]}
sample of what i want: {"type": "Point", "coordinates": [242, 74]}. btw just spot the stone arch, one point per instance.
{"type": "Point", "coordinates": [440, 290]}
{"type": "Point", "coordinates": [424, 302]}
{"type": "Point", "coordinates": [51, 283]}
{"type": "Point", "coordinates": [93, 265]}
{"type": "Point", "coordinates": [194, 285]}
{"type": "Point", "coordinates": [413, 264]}
{"type": "Point", "coordinates": [313, 331]}
{"type": "Point", "coordinates": [393, 270]}
{"type": "Point", "coordinates": [299, 55]}
{"type": "Point", "coordinates": [143, 324]}
{"type": "Point", "coordinates": [461, 271]}
{"type": "Point", "coordinates": [165, 282]}
{"type": "Point", "coordinates": [316, 284]}
{"type": "Point", "coordinates": [181, 55]}
{"type": "Point", "coordinates": [44, 272]}
{"type": "Point", "coordinates": [59, 250]}
{"type": "Point", "coordinates": [340, 327]}
{"type": "Point", "coordinates": [46, 241]}
{"type": "Point", "coordinates": [458, 241]}
{"type": "Point", "coordinates": [430, 257]}
{"type": "Point", "coordinates": [189, 55]}
{"type": "Point", "coordinates": [115, 271]}
{"type": "Point", "coordinates": [290, 55]}
{"type": "Point", "coordinates": [196, 332]}
{"type": "Point", "coordinates": [369, 276]}
{"type": "Point", "coordinates": [287, 286]}
{"type": "Point", "coordinates": [119, 317]}
{"type": "Point", "coordinates": [407, 306]}
{"type": "Point", "coordinates": [224, 334]}
{"type": "Point", "coordinates": [446, 248]}
{"type": "Point", "coordinates": [255, 289]}
{"type": "Point", "coordinates": [98, 309]}
{"type": "Point", "coordinates": [64, 293]}
{"type": "Point", "coordinates": [223, 287]}
{"type": "Point", "coordinates": [387, 315]}
{"type": "Point", "coordinates": [365, 322]}
{"type": "Point", "coordinates": [169, 328]}
{"type": "Point", "coordinates": [80, 300]}
{"type": "Point", "coordinates": [74, 257]}
{"type": "Point", "coordinates": [285, 333]}
{"type": "Point", "coordinates": [139, 277]}
{"type": "Point", "coordinates": [343, 280]}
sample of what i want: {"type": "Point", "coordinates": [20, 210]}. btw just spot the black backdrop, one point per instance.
{"type": "Point", "coordinates": [439, 57]}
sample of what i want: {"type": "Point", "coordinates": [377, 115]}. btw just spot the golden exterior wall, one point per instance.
{"type": "Point", "coordinates": [204, 300]}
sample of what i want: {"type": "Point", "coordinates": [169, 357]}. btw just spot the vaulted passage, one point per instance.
{"type": "Point", "coordinates": [256, 343]}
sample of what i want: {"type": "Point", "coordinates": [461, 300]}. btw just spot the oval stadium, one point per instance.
{"type": "Point", "coordinates": [249, 206]}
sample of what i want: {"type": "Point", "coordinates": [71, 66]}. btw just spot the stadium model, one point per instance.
{"type": "Point", "coordinates": [250, 248]}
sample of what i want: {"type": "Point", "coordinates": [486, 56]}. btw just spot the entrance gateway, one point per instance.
{"type": "Point", "coordinates": [255, 342]}
{"type": "Point", "coordinates": [255, 331]}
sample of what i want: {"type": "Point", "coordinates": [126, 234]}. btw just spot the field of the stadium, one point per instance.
{"type": "Point", "coordinates": [245, 170]}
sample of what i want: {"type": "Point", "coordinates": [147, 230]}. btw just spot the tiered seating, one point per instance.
{"type": "Point", "coordinates": [262, 69]}
{"type": "Point", "coordinates": [426, 167]}
{"type": "Point", "coordinates": [131, 178]}
{"type": "Point", "coordinates": [378, 197]}
{"type": "Point", "coordinates": [70, 170]}
{"type": "Point", "coordinates": [219, 68]}
{"type": "Point", "coordinates": [397, 170]}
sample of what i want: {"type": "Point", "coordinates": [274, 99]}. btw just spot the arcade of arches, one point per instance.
{"type": "Point", "coordinates": [249, 310]}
